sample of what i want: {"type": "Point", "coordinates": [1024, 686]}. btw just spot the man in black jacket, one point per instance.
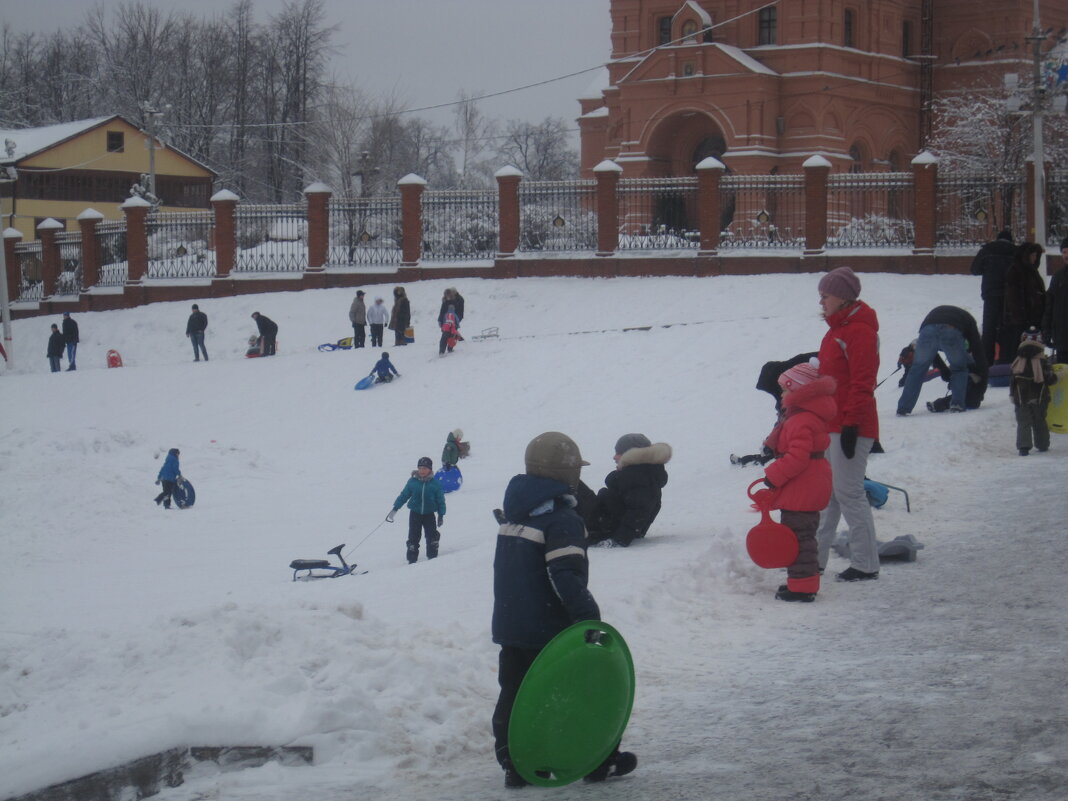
{"type": "Point", "coordinates": [952, 331]}
{"type": "Point", "coordinates": [70, 338]}
{"type": "Point", "coordinates": [992, 262]}
{"type": "Point", "coordinates": [194, 329]}
{"type": "Point", "coordinates": [268, 332]}
{"type": "Point", "coordinates": [55, 348]}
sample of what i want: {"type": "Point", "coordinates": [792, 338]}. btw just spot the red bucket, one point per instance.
{"type": "Point", "coordinates": [769, 544]}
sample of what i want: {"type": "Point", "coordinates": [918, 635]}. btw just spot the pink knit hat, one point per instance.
{"type": "Point", "coordinates": [842, 283]}
{"type": "Point", "coordinates": [798, 376]}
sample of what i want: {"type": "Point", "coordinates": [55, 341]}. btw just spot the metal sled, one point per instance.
{"type": "Point", "coordinates": [487, 333]}
{"type": "Point", "coordinates": [322, 568]}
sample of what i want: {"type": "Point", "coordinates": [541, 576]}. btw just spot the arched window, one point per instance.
{"type": "Point", "coordinates": [689, 28]}
{"type": "Point", "coordinates": [766, 23]}
{"type": "Point", "coordinates": [856, 156]}
{"type": "Point", "coordinates": [849, 35]}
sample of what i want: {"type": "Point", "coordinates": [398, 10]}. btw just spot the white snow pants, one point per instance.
{"type": "Point", "coordinates": [849, 500]}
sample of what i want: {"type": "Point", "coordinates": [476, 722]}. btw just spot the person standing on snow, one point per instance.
{"type": "Point", "coordinates": [992, 262]}
{"type": "Point", "coordinates": [70, 339]}
{"type": "Point", "coordinates": [358, 318]}
{"type": "Point", "coordinates": [55, 349]}
{"type": "Point", "coordinates": [1025, 296]}
{"type": "Point", "coordinates": [629, 502]}
{"type": "Point", "coordinates": [450, 454]}
{"type": "Point", "coordinates": [169, 475]}
{"type": "Point", "coordinates": [400, 316]}
{"type": "Point", "coordinates": [268, 332]}
{"type": "Point", "coordinates": [450, 297]}
{"type": "Point", "coordinates": [1055, 317]}
{"type": "Point", "coordinates": [377, 317]}
{"type": "Point", "coordinates": [194, 329]}
{"type": "Point", "coordinates": [849, 353]}
{"type": "Point", "coordinates": [425, 499]}
{"type": "Point", "coordinates": [540, 573]}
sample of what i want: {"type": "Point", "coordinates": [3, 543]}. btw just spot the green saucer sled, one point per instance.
{"type": "Point", "coordinates": [573, 705]}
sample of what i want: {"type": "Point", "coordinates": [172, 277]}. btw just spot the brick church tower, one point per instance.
{"type": "Point", "coordinates": [763, 86]}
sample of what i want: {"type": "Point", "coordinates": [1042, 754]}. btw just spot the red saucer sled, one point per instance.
{"type": "Point", "coordinates": [769, 544]}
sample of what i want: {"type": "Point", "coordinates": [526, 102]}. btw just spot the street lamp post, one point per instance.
{"type": "Point", "coordinates": [7, 176]}
{"type": "Point", "coordinates": [1037, 121]}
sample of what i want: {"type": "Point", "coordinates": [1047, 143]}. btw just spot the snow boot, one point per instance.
{"type": "Point", "coordinates": [786, 594]}
{"type": "Point", "coordinates": [619, 763]}
{"type": "Point", "coordinates": [852, 574]}
{"type": "Point", "coordinates": [512, 779]}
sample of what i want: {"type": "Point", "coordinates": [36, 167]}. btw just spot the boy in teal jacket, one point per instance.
{"type": "Point", "coordinates": [425, 500]}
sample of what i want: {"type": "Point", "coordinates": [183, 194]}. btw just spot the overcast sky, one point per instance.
{"type": "Point", "coordinates": [425, 51]}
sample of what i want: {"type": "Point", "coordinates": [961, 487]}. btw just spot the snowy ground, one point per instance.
{"type": "Point", "coordinates": [127, 629]}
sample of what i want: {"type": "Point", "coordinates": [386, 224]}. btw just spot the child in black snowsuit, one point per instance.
{"type": "Point", "coordinates": [629, 502]}
{"type": "Point", "coordinates": [424, 497]}
{"type": "Point", "coordinates": [1032, 377]}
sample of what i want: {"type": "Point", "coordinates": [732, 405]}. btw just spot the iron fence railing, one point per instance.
{"type": "Point", "coordinates": [1056, 209]}
{"type": "Point", "coordinates": [762, 211]}
{"type": "Point", "coordinates": [29, 264]}
{"type": "Point", "coordinates": [179, 245]}
{"type": "Point", "coordinates": [658, 213]}
{"type": "Point", "coordinates": [69, 281]}
{"type": "Point", "coordinates": [558, 216]}
{"type": "Point", "coordinates": [365, 230]}
{"type": "Point", "coordinates": [870, 210]}
{"type": "Point", "coordinates": [272, 239]}
{"type": "Point", "coordinates": [970, 209]}
{"type": "Point", "coordinates": [114, 269]}
{"type": "Point", "coordinates": [460, 224]}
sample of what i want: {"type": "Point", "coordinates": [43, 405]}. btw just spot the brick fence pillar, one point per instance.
{"type": "Point", "coordinates": [508, 179]}
{"type": "Point", "coordinates": [817, 168]}
{"type": "Point", "coordinates": [47, 231]}
{"type": "Point", "coordinates": [318, 195]}
{"type": "Point", "coordinates": [925, 194]}
{"type": "Point", "coordinates": [224, 203]}
{"type": "Point", "coordinates": [411, 191]}
{"type": "Point", "coordinates": [14, 267]}
{"type": "Point", "coordinates": [607, 174]}
{"type": "Point", "coordinates": [87, 221]}
{"type": "Point", "coordinates": [136, 210]}
{"type": "Point", "coordinates": [709, 173]}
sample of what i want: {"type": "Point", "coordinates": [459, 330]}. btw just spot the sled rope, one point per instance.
{"type": "Point", "coordinates": [361, 542]}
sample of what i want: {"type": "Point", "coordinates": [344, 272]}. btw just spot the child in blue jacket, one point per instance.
{"type": "Point", "coordinates": [168, 476]}
{"type": "Point", "coordinates": [382, 369]}
{"type": "Point", "coordinates": [425, 498]}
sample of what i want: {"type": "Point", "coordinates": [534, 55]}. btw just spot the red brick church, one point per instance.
{"type": "Point", "coordinates": [764, 85]}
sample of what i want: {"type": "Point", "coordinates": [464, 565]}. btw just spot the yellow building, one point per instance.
{"type": "Point", "coordinates": [63, 169]}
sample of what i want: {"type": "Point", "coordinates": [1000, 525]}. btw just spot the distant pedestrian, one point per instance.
{"type": "Point", "coordinates": [194, 329]}
{"type": "Point", "coordinates": [268, 332]}
{"type": "Point", "coordinates": [1055, 317]}
{"type": "Point", "coordinates": [377, 317]}
{"type": "Point", "coordinates": [358, 318]}
{"type": "Point", "coordinates": [992, 262]}
{"type": "Point", "coordinates": [169, 476]}
{"type": "Point", "coordinates": [55, 348]}
{"type": "Point", "coordinates": [70, 338]}
{"type": "Point", "coordinates": [1025, 296]}
{"type": "Point", "coordinates": [1032, 377]}
{"type": "Point", "coordinates": [426, 509]}
{"type": "Point", "coordinates": [400, 316]}
{"type": "Point", "coordinates": [450, 332]}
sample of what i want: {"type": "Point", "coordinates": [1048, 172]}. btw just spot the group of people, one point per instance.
{"type": "Point", "coordinates": [62, 341]}
{"type": "Point", "coordinates": [398, 319]}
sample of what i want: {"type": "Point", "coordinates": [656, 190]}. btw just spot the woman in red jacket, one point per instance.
{"type": "Point", "coordinates": [800, 476]}
{"type": "Point", "coordinates": [849, 354]}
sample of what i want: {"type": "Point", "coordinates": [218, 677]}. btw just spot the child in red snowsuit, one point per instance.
{"type": "Point", "coordinates": [800, 476]}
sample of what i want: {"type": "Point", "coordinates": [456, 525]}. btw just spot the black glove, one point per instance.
{"type": "Point", "coordinates": [849, 441]}
{"type": "Point", "coordinates": [441, 520]}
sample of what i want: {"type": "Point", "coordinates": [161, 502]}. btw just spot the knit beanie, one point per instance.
{"type": "Point", "coordinates": [457, 434]}
{"type": "Point", "coordinates": [842, 283]}
{"type": "Point", "coordinates": [798, 376]}
{"type": "Point", "coordinates": [628, 441]}
{"type": "Point", "coordinates": [426, 462]}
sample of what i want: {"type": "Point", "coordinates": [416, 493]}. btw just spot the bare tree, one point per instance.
{"type": "Point", "coordinates": [540, 150]}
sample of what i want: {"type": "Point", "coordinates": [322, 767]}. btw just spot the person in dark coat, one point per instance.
{"type": "Point", "coordinates": [70, 339]}
{"type": "Point", "coordinates": [952, 331]}
{"type": "Point", "coordinates": [194, 329]}
{"type": "Point", "coordinates": [992, 262]}
{"type": "Point", "coordinates": [358, 318]}
{"type": "Point", "coordinates": [55, 348]}
{"type": "Point", "coordinates": [1055, 316]}
{"type": "Point", "coordinates": [169, 475]}
{"type": "Point", "coordinates": [268, 332]}
{"type": "Point", "coordinates": [629, 502]}
{"type": "Point", "coordinates": [1025, 296]}
{"type": "Point", "coordinates": [540, 575]}
{"type": "Point", "coordinates": [400, 317]}
{"type": "Point", "coordinates": [450, 297]}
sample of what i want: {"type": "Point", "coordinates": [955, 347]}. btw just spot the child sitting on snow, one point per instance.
{"type": "Point", "coordinates": [384, 370]}
{"type": "Point", "coordinates": [800, 475]}
{"type": "Point", "coordinates": [1032, 377]}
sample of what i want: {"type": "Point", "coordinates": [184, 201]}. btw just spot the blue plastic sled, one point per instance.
{"type": "Point", "coordinates": [365, 383]}
{"type": "Point", "coordinates": [450, 480]}
{"type": "Point", "coordinates": [184, 495]}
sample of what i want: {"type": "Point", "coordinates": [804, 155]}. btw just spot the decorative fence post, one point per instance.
{"type": "Point", "coordinates": [709, 174]}
{"type": "Point", "coordinates": [318, 195]}
{"type": "Point", "coordinates": [925, 190]}
{"type": "Point", "coordinates": [136, 210]}
{"type": "Point", "coordinates": [14, 269]}
{"type": "Point", "coordinates": [411, 190]}
{"type": "Point", "coordinates": [47, 231]}
{"type": "Point", "coordinates": [87, 221]}
{"type": "Point", "coordinates": [817, 168]}
{"type": "Point", "coordinates": [508, 179]}
{"type": "Point", "coordinates": [607, 174]}
{"type": "Point", "coordinates": [224, 203]}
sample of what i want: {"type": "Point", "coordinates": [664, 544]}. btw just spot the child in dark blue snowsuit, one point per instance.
{"type": "Point", "coordinates": [382, 369]}
{"type": "Point", "coordinates": [425, 498]}
{"type": "Point", "coordinates": [168, 476]}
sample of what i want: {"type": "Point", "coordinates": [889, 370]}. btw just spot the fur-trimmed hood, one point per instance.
{"type": "Point", "coordinates": [657, 453]}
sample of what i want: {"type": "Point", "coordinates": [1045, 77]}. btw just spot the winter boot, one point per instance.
{"type": "Point", "coordinates": [413, 555]}
{"type": "Point", "coordinates": [786, 594]}
{"type": "Point", "coordinates": [512, 779]}
{"type": "Point", "coordinates": [619, 763]}
{"type": "Point", "coordinates": [852, 574]}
